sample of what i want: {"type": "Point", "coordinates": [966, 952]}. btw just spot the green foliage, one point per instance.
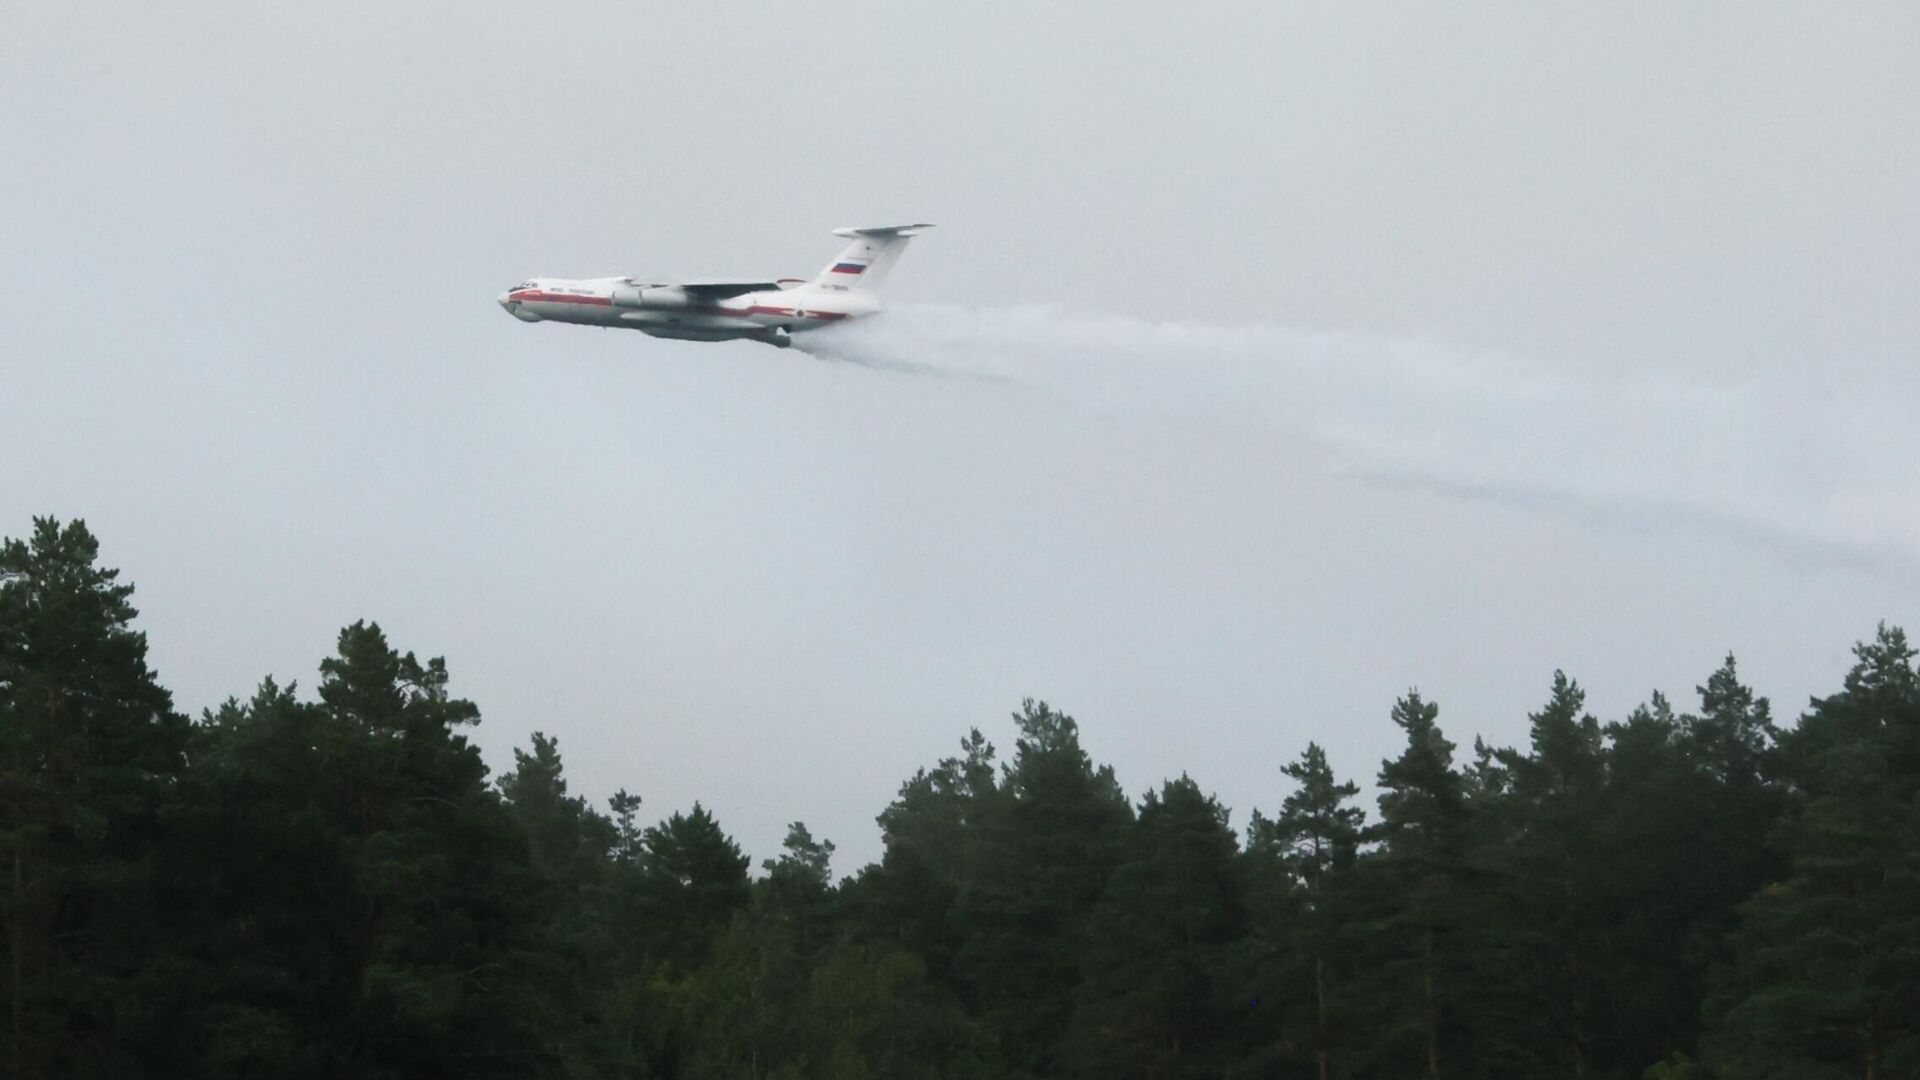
{"type": "Point", "coordinates": [694, 878]}
{"type": "Point", "coordinates": [1317, 835]}
{"type": "Point", "coordinates": [1825, 979]}
{"type": "Point", "coordinates": [1553, 874]}
{"type": "Point", "coordinates": [1301, 967]}
{"type": "Point", "coordinates": [353, 898]}
{"type": "Point", "coordinates": [1428, 933]}
{"type": "Point", "coordinates": [936, 833]}
{"type": "Point", "coordinates": [1677, 1067]}
{"type": "Point", "coordinates": [329, 885]}
{"type": "Point", "coordinates": [566, 838]}
{"type": "Point", "coordinates": [1052, 833]}
{"type": "Point", "coordinates": [89, 746]}
{"type": "Point", "coordinates": [1155, 995]}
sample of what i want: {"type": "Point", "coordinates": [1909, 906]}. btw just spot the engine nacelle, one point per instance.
{"type": "Point", "coordinates": [650, 297]}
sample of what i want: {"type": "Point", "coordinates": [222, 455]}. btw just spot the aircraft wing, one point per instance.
{"type": "Point", "coordinates": [721, 288]}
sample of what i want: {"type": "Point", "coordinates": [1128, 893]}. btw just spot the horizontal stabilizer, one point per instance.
{"type": "Point", "coordinates": [883, 230]}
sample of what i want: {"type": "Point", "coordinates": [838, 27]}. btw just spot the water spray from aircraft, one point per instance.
{"type": "Point", "coordinates": [1816, 474]}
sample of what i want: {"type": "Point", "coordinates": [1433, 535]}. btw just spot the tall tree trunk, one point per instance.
{"type": "Point", "coordinates": [1433, 1010]}
{"type": "Point", "coordinates": [1579, 1033]}
{"type": "Point", "coordinates": [16, 945]}
{"type": "Point", "coordinates": [1873, 1046]}
{"type": "Point", "coordinates": [1320, 1000]}
{"type": "Point", "coordinates": [1576, 971]}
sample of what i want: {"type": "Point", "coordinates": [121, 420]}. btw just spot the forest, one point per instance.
{"type": "Point", "coordinates": [330, 883]}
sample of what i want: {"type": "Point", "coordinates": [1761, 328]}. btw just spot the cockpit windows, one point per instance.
{"type": "Point", "coordinates": [524, 285]}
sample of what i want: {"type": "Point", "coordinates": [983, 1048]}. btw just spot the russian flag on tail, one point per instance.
{"type": "Point", "coordinates": [848, 268]}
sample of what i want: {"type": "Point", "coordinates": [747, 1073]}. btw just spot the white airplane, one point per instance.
{"type": "Point", "coordinates": [723, 310]}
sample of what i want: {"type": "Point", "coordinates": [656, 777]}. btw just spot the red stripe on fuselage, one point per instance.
{"type": "Point", "coordinates": [536, 297]}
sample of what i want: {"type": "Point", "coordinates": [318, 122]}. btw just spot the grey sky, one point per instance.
{"type": "Point", "coordinates": [1379, 345]}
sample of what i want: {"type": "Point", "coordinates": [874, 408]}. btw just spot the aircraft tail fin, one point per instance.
{"type": "Point", "coordinates": [865, 263]}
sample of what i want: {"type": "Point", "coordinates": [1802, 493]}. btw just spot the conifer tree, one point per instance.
{"type": "Point", "coordinates": [1315, 841]}
{"type": "Point", "coordinates": [1154, 997]}
{"type": "Point", "coordinates": [798, 888]}
{"type": "Point", "coordinates": [356, 899]}
{"type": "Point", "coordinates": [1825, 980]}
{"type": "Point", "coordinates": [1647, 831]}
{"type": "Point", "coordinates": [935, 835]}
{"type": "Point", "coordinates": [567, 839]}
{"type": "Point", "coordinates": [575, 962]}
{"type": "Point", "coordinates": [1052, 836]}
{"type": "Point", "coordinates": [1682, 837]}
{"type": "Point", "coordinates": [1733, 734]}
{"type": "Point", "coordinates": [89, 746]}
{"type": "Point", "coordinates": [695, 879]}
{"type": "Point", "coordinates": [1416, 903]}
{"type": "Point", "coordinates": [1558, 787]}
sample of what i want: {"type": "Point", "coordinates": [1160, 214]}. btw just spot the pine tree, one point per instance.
{"type": "Point", "coordinates": [1052, 835]}
{"type": "Point", "coordinates": [935, 832]}
{"type": "Point", "coordinates": [1437, 967]}
{"type": "Point", "coordinates": [1649, 830]}
{"type": "Point", "coordinates": [629, 845]}
{"type": "Point", "coordinates": [1422, 831]}
{"type": "Point", "coordinates": [1825, 980]}
{"type": "Point", "coordinates": [575, 963]}
{"type": "Point", "coordinates": [566, 838]}
{"type": "Point", "coordinates": [365, 899]}
{"type": "Point", "coordinates": [89, 746]}
{"type": "Point", "coordinates": [1558, 787]}
{"type": "Point", "coordinates": [798, 889]}
{"type": "Point", "coordinates": [1314, 843]}
{"type": "Point", "coordinates": [633, 1017]}
{"type": "Point", "coordinates": [694, 880]}
{"type": "Point", "coordinates": [261, 893]}
{"type": "Point", "coordinates": [1682, 839]}
{"type": "Point", "coordinates": [1154, 998]}
{"type": "Point", "coordinates": [1733, 734]}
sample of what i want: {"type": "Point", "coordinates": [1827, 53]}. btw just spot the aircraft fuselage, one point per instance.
{"type": "Point", "coordinates": [666, 311]}
{"type": "Point", "coordinates": [758, 309]}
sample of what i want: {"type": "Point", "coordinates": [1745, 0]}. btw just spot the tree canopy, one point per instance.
{"type": "Point", "coordinates": [331, 883]}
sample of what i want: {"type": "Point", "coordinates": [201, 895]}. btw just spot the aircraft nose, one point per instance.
{"type": "Point", "coordinates": [516, 307]}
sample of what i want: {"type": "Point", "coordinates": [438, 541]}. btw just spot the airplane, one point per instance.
{"type": "Point", "coordinates": [713, 309]}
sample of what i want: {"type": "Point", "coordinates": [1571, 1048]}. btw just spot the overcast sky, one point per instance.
{"type": "Point", "coordinates": [1267, 361]}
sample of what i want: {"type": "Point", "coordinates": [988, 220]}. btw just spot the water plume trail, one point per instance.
{"type": "Point", "coordinates": [1819, 472]}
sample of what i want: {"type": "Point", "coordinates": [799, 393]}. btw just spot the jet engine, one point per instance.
{"type": "Point", "coordinates": [633, 294]}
